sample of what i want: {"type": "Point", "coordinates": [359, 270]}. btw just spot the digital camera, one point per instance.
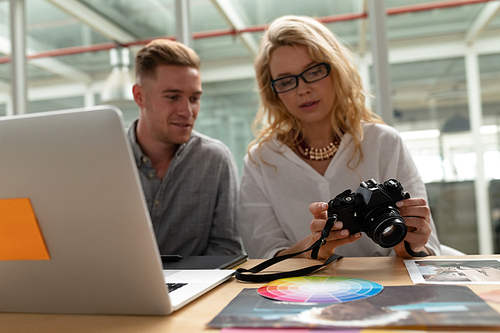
{"type": "Point", "coordinates": [372, 210]}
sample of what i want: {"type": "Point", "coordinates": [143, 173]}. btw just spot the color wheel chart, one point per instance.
{"type": "Point", "coordinates": [319, 289]}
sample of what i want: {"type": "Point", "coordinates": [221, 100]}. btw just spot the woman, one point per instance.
{"type": "Point", "coordinates": [316, 138]}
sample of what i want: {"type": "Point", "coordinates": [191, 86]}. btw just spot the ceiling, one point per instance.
{"type": "Point", "coordinates": [68, 41]}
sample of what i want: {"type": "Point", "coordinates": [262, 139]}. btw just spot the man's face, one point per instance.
{"type": "Point", "coordinates": [169, 103]}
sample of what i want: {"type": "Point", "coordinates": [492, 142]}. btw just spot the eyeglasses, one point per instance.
{"type": "Point", "coordinates": [310, 75]}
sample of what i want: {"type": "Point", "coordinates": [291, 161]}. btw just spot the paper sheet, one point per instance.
{"type": "Point", "coordinates": [454, 271]}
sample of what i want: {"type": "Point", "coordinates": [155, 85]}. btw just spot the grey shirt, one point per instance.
{"type": "Point", "coordinates": [193, 209]}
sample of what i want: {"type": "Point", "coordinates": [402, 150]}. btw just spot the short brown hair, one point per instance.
{"type": "Point", "coordinates": [163, 52]}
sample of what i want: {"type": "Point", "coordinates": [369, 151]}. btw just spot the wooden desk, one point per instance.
{"type": "Point", "coordinates": [388, 271]}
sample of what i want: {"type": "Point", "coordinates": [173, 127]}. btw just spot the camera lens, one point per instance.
{"type": "Point", "coordinates": [391, 235]}
{"type": "Point", "coordinates": [388, 231]}
{"type": "Point", "coordinates": [387, 228]}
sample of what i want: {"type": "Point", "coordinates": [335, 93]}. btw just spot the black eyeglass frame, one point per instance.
{"type": "Point", "coordinates": [301, 75]}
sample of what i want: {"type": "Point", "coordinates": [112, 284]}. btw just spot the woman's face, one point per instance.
{"type": "Point", "coordinates": [310, 103]}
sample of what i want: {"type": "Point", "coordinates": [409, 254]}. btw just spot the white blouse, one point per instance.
{"type": "Point", "coordinates": [277, 188]}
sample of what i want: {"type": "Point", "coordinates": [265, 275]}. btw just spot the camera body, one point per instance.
{"type": "Point", "coordinates": [372, 210]}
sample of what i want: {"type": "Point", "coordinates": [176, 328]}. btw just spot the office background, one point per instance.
{"type": "Point", "coordinates": [433, 68]}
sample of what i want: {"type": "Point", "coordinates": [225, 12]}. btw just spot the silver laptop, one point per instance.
{"type": "Point", "coordinates": [77, 170]}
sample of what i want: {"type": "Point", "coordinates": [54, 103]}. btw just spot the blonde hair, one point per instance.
{"type": "Point", "coordinates": [163, 52]}
{"type": "Point", "coordinates": [349, 110]}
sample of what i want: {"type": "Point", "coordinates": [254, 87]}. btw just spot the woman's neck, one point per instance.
{"type": "Point", "coordinates": [320, 135]}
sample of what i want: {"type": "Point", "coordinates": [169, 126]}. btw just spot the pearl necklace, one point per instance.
{"type": "Point", "coordinates": [318, 154]}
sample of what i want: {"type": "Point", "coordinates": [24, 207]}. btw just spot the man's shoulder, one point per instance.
{"type": "Point", "coordinates": [208, 145]}
{"type": "Point", "coordinates": [210, 152]}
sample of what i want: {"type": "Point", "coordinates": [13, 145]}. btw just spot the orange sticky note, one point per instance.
{"type": "Point", "coordinates": [20, 234]}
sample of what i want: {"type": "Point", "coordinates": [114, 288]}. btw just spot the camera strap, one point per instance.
{"type": "Point", "coordinates": [249, 275]}
{"type": "Point", "coordinates": [413, 253]}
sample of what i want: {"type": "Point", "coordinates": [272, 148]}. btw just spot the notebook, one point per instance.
{"type": "Point", "coordinates": [206, 262]}
{"type": "Point", "coordinates": [75, 169]}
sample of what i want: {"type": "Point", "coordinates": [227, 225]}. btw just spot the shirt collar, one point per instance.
{"type": "Point", "coordinates": [140, 158]}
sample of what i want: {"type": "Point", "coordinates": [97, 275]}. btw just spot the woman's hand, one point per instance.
{"type": "Point", "coordinates": [417, 219]}
{"type": "Point", "coordinates": [337, 237]}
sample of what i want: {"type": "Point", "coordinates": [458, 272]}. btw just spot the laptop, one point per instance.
{"type": "Point", "coordinates": [78, 172]}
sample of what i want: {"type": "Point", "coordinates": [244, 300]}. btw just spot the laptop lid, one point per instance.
{"type": "Point", "coordinates": [77, 170]}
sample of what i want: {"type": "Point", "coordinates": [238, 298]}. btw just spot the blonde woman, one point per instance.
{"type": "Point", "coordinates": [315, 139]}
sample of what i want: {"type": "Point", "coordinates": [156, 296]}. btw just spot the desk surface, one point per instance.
{"type": "Point", "coordinates": [388, 271]}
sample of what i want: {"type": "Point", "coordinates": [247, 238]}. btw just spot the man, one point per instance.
{"type": "Point", "coordinates": [189, 180]}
